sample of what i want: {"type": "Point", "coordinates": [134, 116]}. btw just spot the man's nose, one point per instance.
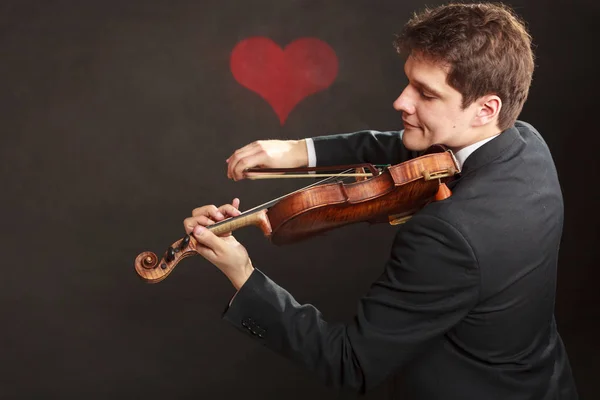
{"type": "Point", "coordinates": [404, 103]}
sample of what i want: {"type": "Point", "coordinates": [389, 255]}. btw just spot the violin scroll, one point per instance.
{"type": "Point", "coordinates": [151, 270]}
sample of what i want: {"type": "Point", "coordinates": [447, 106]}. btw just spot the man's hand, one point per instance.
{"type": "Point", "coordinates": [267, 154]}
{"type": "Point", "coordinates": [225, 252]}
{"type": "Point", "coordinates": [208, 215]}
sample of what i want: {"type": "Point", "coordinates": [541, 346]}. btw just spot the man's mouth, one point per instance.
{"type": "Point", "coordinates": [409, 125]}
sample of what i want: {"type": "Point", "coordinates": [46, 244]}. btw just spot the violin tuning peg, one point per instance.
{"type": "Point", "coordinates": [184, 242]}
{"type": "Point", "coordinates": [170, 254]}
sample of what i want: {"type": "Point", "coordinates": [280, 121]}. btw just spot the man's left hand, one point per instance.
{"type": "Point", "coordinates": [225, 252]}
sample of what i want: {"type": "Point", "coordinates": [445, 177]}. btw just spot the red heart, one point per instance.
{"type": "Point", "coordinates": [284, 77]}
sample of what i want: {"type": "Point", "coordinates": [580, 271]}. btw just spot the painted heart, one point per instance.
{"type": "Point", "coordinates": [283, 77]}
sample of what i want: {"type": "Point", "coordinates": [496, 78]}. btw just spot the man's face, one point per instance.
{"type": "Point", "coordinates": [431, 109]}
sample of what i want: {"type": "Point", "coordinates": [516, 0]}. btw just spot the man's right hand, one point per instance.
{"type": "Point", "coordinates": [267, 154]}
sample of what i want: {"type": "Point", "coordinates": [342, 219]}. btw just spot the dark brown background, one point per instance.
{"type": "Point", "coordinates": [116, 121]}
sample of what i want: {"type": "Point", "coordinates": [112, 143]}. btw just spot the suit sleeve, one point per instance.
{"type": "Point", "coordinates": [429, 283]}
{"type": "Point", "coordinates": [361, 147]}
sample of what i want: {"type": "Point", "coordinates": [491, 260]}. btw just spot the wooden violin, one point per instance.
{"type": "Point", "coordinates": [392, 195]}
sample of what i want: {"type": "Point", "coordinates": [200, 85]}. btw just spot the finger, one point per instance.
{"type": "Point", "coordinates": [232, 210]}
{"type": "Point", "coordinates": [250, 156]}
{"type": "Point", "coordinates": [235, 164]}
{"type": "Point", "coordinates": [241, 150]}
{"type": "Point", "coordinates": [210, 211]}
{"type": "Point", "coordinates": [210, 244]}
{"type": "Point", "coordinates": [250, 161]}
{"type": "Point", "coordinates": [229, 210]}
{"type": "Point", "coordinates": [191, 222]}
{"type": "Point", "coordinates": [239, 155]}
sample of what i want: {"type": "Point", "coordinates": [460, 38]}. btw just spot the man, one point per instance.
{"type": "Point", "coordinates": [464, 306]}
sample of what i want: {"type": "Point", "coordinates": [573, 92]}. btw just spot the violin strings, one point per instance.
{"type": "Point", "coordinates": [270, 202]}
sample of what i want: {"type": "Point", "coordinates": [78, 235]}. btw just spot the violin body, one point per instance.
{"type": "Point", "coordinates": [399, 191]}
{"type": "Point", "coordinates": [391, 196]}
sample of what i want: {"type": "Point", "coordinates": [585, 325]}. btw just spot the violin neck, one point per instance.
{"type": "Point", "coordinates": [258, 218]}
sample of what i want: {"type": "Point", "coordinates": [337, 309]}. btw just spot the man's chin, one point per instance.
{"type": "Point", "coordinates": [414, 141]}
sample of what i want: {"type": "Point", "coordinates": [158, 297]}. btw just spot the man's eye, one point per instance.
{"type": "Point", "coordinates": [424, 95]}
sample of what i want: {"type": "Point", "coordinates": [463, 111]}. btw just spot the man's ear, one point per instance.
{"type": "Point", "coordinates": [488, 110]}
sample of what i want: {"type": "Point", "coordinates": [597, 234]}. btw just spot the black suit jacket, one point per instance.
{"type": "Point", "coordinates": [464, 306]}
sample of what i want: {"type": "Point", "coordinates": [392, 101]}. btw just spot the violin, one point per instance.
{"type": "Point", "coordinates": [391, 195]}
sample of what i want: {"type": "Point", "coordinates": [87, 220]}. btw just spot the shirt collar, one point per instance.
{"type": "Point", "coordinates": [465, 152]}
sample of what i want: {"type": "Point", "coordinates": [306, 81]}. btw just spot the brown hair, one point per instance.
{"type": "Point", "coordinates": [486, 46]}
